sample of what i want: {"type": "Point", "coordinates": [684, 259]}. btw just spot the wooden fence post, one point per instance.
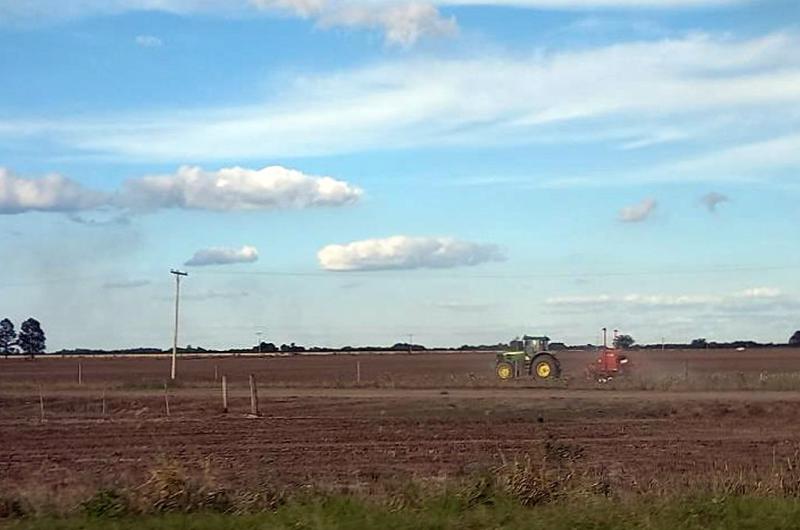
{"type": "Point", "coordinates": [41, 404]}
{"type": "Point", "coordinates": [104, 402]}
{"type": "Point", "coordinates": [216, 372]}
{"type": "Point", "coordinates": [80, 373]}
{"type": "Point", "coordinates": [166, 398]}
{"type": "Point", "coordinates": [224, 393]}
{"type": "Point", "coordinates": [358, 372]}
{"type": "Point", "coordinates": [253, 396]}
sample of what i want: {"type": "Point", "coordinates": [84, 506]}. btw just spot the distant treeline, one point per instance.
{"type": "Point", "coordinates": [401, 347]}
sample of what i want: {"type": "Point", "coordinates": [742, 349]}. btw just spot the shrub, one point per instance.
{"type": "Point", "coordinates": [106, 504]}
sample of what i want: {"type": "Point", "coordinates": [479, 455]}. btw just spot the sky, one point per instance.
{"type": "Point", "coordinates": [351, 172]}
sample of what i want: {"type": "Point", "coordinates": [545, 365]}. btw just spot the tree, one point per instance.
{"type": "Point", "coordinates": [623, 341]}
{"type": "Point", "coordinates": [795, 340]}
{"type": "Point", "coordinates": [31, 337]}
{"type": "Point", "coordinates": [8, 337]}
{"type": "Point", "coordinates": [699, 343]}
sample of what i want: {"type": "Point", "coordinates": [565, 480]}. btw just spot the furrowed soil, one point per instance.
{"type": "Point", "coordinates": [423, 415]}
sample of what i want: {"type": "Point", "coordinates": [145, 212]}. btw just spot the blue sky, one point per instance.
{"type": "Point", "coordinates": [349, 172]}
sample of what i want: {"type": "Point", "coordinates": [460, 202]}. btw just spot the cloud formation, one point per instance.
{"type": "Point", "coordinates": [148, 41]}
{"type": "Point", "coordinates": [635, 94]}
{"type": "Point", "coordinates": [237, 188]}
{"type": "Point", "coordinates": [406, 252]}
{"type": "Point", "coordinates": [13, 10]}
{"type": "Point", "coordinates": [228, 189]}
{"type": "Point", "coordinates": [712, 200]}
{"type": "Point", "coordinates": [402, 22]}
{"type": "Point", "coordinates": [51, 193]}
{"type": "Point", "coordinates": [638, 212]}
{"type": "Point", "coordinates": [223, 256]}
{"type": "Point", "coordinates": [126, 284]}
{"type": "Point", "coordinates": [670, 301]}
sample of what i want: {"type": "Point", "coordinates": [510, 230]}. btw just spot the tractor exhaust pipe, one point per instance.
{"type": "Point", "coordinates": [605, 338]}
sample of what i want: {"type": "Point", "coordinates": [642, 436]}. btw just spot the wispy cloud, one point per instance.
{"type": "Point", "coordinates": [596, 4]}
{"type": "Point", "coordinates": [223, 256]}
{"type": "Point", "coordinates": [148, 41]}
{"type": "Point", "coordinates": [406, 252]}
{"type": "Point", "coordinates": [215, 295]}
{"type": "Point", "coordinates": [116, 220]}
{"type": "Point", "coordinates": [634, 94]}
{"type": "Point", "coordinates": [11, 10]}
{"type": "Point", "coordinates": [126, 284]}
{"type": "Point", "coordinates": [463, 307]}
{"type": "Point", "coordinates": [747, 297]}
{"type": "Point", "coordinates": [637, 212]}
{"type": "Point", "coordinates": [713, 199]}
{"type": "Point", "coordinates": [402, 22]}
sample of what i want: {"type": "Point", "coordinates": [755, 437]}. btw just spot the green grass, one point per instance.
{"type": "Point", "coordinates": [449, 512]}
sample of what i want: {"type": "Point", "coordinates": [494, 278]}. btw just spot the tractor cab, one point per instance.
{"type": "Point", "coordinates": [530, 345]}
{"type": "Point", "coordinates": [528, 354]}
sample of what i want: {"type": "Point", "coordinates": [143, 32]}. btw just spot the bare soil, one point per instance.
{"type": "Point", "coordinates": [424, 415]}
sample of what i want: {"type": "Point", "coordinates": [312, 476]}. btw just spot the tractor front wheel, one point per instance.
{"type": "Point", "coordinates": [504, 370]}
{"type": "Point", "coordinates": [545, 366]}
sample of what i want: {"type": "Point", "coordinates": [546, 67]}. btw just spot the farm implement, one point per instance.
{"type": "Point", "coordinates": [530, 356]}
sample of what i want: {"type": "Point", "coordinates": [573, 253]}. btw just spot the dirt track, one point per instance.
{"type": "Point", "coordinates": [312, 430]}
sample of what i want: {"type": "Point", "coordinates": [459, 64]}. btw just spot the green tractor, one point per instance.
{"type": "Point", "coordinates": [528, 355]}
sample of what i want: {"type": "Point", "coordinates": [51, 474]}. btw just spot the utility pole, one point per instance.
{"type": "Point", "coordinates": [410, 343]}
{"type": "Point", "coordinates": [258, 337]}
{"type": "Point", "coordinates": [177, 275]}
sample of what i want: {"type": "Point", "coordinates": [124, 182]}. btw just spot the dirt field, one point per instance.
{"type": "Point", "coordinates": [428, 415]}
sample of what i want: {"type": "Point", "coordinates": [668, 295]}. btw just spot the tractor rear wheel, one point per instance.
{"type": "Point", "coordinates": [504, 370]}
{"type": "Point", "coordinates": [545, 366]}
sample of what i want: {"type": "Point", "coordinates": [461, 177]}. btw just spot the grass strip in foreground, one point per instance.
{"type": "Point", "coordinates": [348, 513]}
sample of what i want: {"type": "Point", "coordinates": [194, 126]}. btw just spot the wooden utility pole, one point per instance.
{"type": "Point", "coordinates": [177, 275]}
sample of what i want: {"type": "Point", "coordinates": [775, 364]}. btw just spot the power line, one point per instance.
{"type": "Point", "coordinates": [408, 275]}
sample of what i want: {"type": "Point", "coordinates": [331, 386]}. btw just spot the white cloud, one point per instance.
{"type": "Point", "coordinates": [36, 10]}
{"type": "Point", "coordinates": [237, 188]}
{"type": "Point", "coordinates": [736, 300]}
{"type": "Point", "coordinates": [403, 23]}
{"type": "Point", "coordinates": [228, 189]}
{"type": "Point", "coordinates": [51, 193]}
{"type": "Point", "coordinates": [637, 212]}
{"type": "Point", "coordinates": [760, 292]}
{"type": "Point", "coordinates": [126, 284]}
{"type": "Point", "coordinates": [223, 256]}
{"type": "Point", "coordinates": [779, 153]}
{"type": "Point", "coordinates": [713, 199]}
{"type": "Point", "coordinates": [464, 307]}
{"type": "Point", "coordinates": [405, 252]}
{"type": "Point", "coordinates": [595, 4]}
{"type": "Point", "coordinates": [148, 41]}
{"type": "Point", "coordinates": [635, 94]}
